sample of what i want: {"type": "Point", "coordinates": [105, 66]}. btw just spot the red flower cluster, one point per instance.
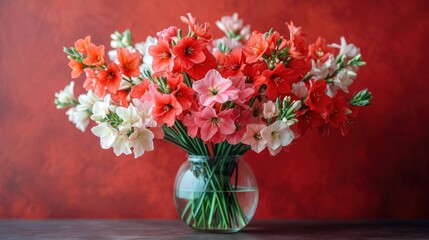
{"type": "Point", "coordinates": [217, 89]}
{"type": "Point", "coordinates": [100, 78]}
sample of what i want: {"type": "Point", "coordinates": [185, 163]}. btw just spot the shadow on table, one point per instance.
{"type": "Point", "coordinates": [308, 229]}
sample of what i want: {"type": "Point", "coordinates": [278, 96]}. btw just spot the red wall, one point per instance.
{"type": "Point", "coordinates": [48, 169]}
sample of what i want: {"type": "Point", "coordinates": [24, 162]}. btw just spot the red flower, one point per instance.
{"type": "Point", "coordinates": [252, 71]}
{"type": "Point", "coordinates": [348, 124]}
{"type": "Point", "coordinates": [95, 55]}
{"type": "Point", "coordinates": [129, 63]}
{"type": "Point", "coordinates": [190, 51]}
{"type": "Point", "coordinates": [198, 71]}
{"type": "Point", "coordinates": [80, 45]}
{"type": "Point", "coordinates": [166, 108]}
{"type": "Point", "coordinates": [184, 96]}
{"type": "Point", "coordinates": [138, 90]}
{"type": "Point", "coordinates": [309, 119]}
{"type": "Point", "coordinates": [338, 115]}
{"type": "Point", "coordinates": [319, 50]}
{"type": "Point", "coordinates": [110, 78]}
{"type": "Point", "coordinates": [300, 68]}
{"type": "Point", "coordinates": [273, 39]}
{"type": "Point", "coordinates": [297, 46]}
{"type": "Point", "coordinates": [317, 99]}
{"type": "Point", "coordinates": [163, 60]}
{"type": "Point", "coordinates": [233, 64]}
{"type": "Point", "coordinates": [92, 83]}
{"type": "Point", "coordinates": [121, 97]}
{"type": "Point", "coordinates": [199, 30]}
{"type": "Point", "coordinates": [256, 47]}
{"type": "Point", "coordinates": [76, 67]}
{"type": "Point", "coordinates": [278, 81]}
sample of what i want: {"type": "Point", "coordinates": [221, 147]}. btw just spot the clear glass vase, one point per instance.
{"type": "Point", "coordinates": [216, 194]}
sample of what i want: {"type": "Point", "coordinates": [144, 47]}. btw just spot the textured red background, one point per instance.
{"type": "Point", "coordinates": [48, 169]}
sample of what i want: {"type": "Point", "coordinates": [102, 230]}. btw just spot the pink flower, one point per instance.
{"type": "Point", "coordinates": [214, 127]}
{"type": "Point", "coordinates": [253, 137]}
{"type": "Point", "coordinates": [167, 34]}
{"type": "Point", "coordinates": [270, 110]}
{"type": "Point", "coordinates": [241, 119]}
{"type": "Point", "coordinates": [189, 121]}
{"type": "Point", "coordinates": [245, 90]}
{"type": "Point", "coordinates": [214, 88]}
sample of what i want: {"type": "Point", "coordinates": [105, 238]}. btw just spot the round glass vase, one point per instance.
{"type": "Point", "coordinates": [216, 194]}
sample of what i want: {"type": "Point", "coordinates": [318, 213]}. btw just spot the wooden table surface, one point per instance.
{"type": "Point", "coordinates": [175, 229]}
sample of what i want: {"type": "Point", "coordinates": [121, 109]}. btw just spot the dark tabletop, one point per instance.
{"type": "Point", "coordinates": [175, 229]}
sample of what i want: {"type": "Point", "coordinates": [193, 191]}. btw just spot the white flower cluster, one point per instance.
{"type": "Point", "coordinates": [80, 114]}
{"type": "Point", "coordinates": [345, 75]}
{"type": "Point", "coordinates": [79, 109]}
{"type": "Point", "coordinates": [234, 31]}
{"type": "Point", "coordinates": [65, 98]}
{"type": "Point", "coordinates": [274, 136]}
{"type": "Point", "coordinates": [124, 128]}
{"type": "Point", "coordinates": [232, 26]}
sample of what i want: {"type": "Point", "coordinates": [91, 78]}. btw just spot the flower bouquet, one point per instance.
{"type": "Point", "coordinates": [216, 98]}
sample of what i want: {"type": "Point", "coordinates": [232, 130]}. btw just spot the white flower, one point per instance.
{"type": "Point", "coordinates": [253, 137]}
{"type": "Point", "coordinates": [122, 145]}
{"type": "Point", "coordinates": [143, 48]}
{"type": "Point", "coordinates": [277, 136]}
{"type": "Point", "coordinates": [232, 25]}
{"type": "Point", "coordinates": [87, 101]}
{"type": "Point", "coordinates": [65, 97]}
{"type": "Point", "coordinates": [106, 133]}
{"type": "Point", "coordinates": [245, 32]}
{"type": "Point", "coordinates": [342, 80]}
{"type": "Point", "coordinates": [141, 141]}
{"type": "Point", "coordinates": [300, 90]}
{"type": "Point", "coordinates": [322, 70]}
{"type": "Point", "coordinates": [113, 55]}
{"type": "Point", "coordinates": [130, 118]}
{"type": "Point", "coordinates": [120, 39]}
{"type": "Point", "coordinates": [270, 110]}
{"type": "Point", "coordinates": [79, 118]}
{"type": "Point", "coordinates": [101, 109]}
{"type": "Point", "coordinates": [350, 50]}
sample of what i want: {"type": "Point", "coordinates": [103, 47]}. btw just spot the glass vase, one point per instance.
{"type": "Point", "coordinates": [216, 194]}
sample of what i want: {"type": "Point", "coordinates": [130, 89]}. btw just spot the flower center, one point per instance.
{"type": "Point", "coordinates": [277, 80]}
{"type": "Point", "coordinates": [275, 135]}
{"type": "Point", "coordinates": [319, 52]}
{"type": "Point", "coordinates": [307, 117]}
{"type": "Point", "coordinates": [110, 76]}
{"type": "Point", "coordinates": [214, 90]}
{"type": "Point", "coordinates": [255, 112]}
{"type": "Point", "coordinates": [257, 136]}
{"type": "Point", "coordinates": [215, 120]}
{"type": "Point", "coordinates": [316, 96]}
{"type": "Point", "coordinates": [167, 107]}
{"type": "Point", "coordinates": [235, 67]}
{"type": "Point", "coordinates": [165, 55]}
{"type": "Point", "coordinates": [189, 51]}
{"type": "Point", "coordinates": [256, 48]}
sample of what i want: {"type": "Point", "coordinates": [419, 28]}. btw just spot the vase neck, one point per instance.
{"type": "Point", "coordinates": [202, 158]}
